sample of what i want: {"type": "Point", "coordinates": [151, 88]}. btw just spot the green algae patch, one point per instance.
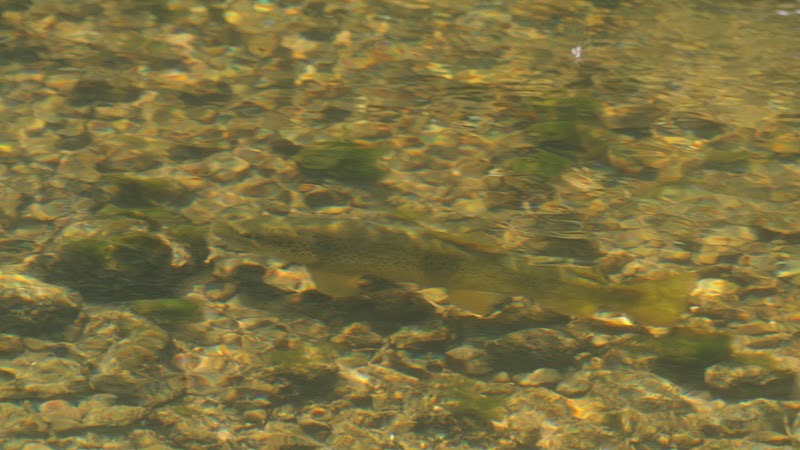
{"type": "Point", "coordinates": [144, 192]}
{"type": "Point", "coordinates": [556, 131]}
{"type": "Point", "coordinates": [567, 130]}
{"type": "Point", "coordinates": [194, 237]}
{"type": "Point", "coordinates": [540, 166]}
{"type": "Point", "coordinates": [293, 357]}
{"type": "Point", "coordinates": [119, 265]}
{"type": "Point", "coordinates": [168, 311]}
{"type": "Point", "coordinates": [537, 170]}
{"type": "Point", "coordinates": [465, 399]}
{"type": "Point", "coordinates": [302, 368]}
{"type": "Point", "coordinates": [348, 162]}
{"type": "Point", "coordinates": [155, 216]}
{"type": "Point", "coordinates": [169, 222]}
{"type": "Point", "coordinates": [705, 360]}
{"type": "Point", "coordinates": [728, 158]}
{"type": "Point", "coordinates": [581, 107]}
{"type": "Point", "coordinates": [683, 355]}
{"type": "Point", "coordinates": [114, 267]}
{"type": "Point", "coordinates": [101, 92]}
{"type": "Point", "coordinates": [570, 125]}
{"type": "Point", "coordinates": [690, 349]}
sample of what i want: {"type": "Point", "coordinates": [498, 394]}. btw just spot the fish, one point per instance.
{"type": "Point", "coordinates": [339, 253]}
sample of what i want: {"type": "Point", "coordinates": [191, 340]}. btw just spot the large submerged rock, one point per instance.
{"type": "Point", "coordinates": [31, 307]}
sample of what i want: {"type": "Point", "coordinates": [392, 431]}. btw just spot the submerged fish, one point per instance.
{"type": "Point", "coordinates": [338, 253]}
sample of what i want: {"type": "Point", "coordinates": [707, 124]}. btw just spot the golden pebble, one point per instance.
{"type": "Point", "coordinates": [333, 210]}
{"type": "Point", "coordinates": [261, 7]}
{"type": "Point", "coordinates": [343, 39]}
{"type": "Point", "coordinates": [584, 409]}
{"type": "Point", "coordinates": [470, 207]}
{"type": "Point", "coordinates": [20, 77]}
{"type": "Point", "coordinates": [440, 69]}
{"type": "Point", "coordinates": [61, 82]}
{"type": "Point", "coordinates": [309, 74]}
{"type": "Point", "coordinates": [730, 236]}
{"type": "Point", "coordinates": [299, 46]}
{"type": "Point", "coordinates": [756, 328]}
{"type": "Point", "coordinates": [473, 76]}
{"type": "Point", "coordinates": [676, 255]}
{"type": "Point", "coordinates": [192, 183]}
{"type": "Point", "coordinates": [786, 143]}
{"type": "Point", "coordinates": [13, 17]}
{"type": "Point", "coordinates": [709, 289]}
{"type": "Point", "coordinates": [233, 17]}
{"type": "Point", "coordinates": [618, 321]}
{"type": "Point", "coordinates": [40, 213]}
{"type": "Point", "coordinates": [174, 76]}
{"type": "Point", "coordinates": [706, 258]}
{"type": "Point", "coordinates": [306, 187]}
{"type": "Point", "coordinates": [122, 125]}
{"type": "Point", "coordinates": [262, 45]}
{"type": "Point", "coordinates": [7, 151]}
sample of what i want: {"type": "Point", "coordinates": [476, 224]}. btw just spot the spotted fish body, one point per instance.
{"type": "Point", "coordinates": [335, 251]}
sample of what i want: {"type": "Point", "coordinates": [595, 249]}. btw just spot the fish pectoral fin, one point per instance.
{"type": "Point", "coordinates": [481, 303]}
{"type": "Point", "coordinates": [336, 285]}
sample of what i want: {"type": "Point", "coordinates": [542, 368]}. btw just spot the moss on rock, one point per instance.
{"type": "Point", "coordinates": [348, 162]}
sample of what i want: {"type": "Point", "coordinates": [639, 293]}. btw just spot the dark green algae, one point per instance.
{"type": "Point", "coordinates": [345, 161]}
{"type": "Point", "coordinates": [168, 311]}
{"type": "Point", "coordinates": [466, 398]}
{"type": "Point", "coordinates": [137, 247]}
{"type": "Point", "coordinates": [120, 267]}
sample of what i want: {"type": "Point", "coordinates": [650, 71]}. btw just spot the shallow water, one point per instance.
{"type": "Point", "coordinates": [642, 140]}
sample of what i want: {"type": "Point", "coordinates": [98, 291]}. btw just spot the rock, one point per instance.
{"type": "Point", "coordinates": [129, 354]}
{"type": "Point", "coordinates": [169, 311]}
{"type": "Point", "coordinates": [527, 350]}
{"type": "Point", "coordinates": [540, 377]}
{"type": "Point", "coordinates": [531, 410]}
{"type": "Point", "coordinates": [39, 375]}
{"type": "Point", "coordinates": [16, 420]}
{"type": "Point", "coordinates": [749, 418]}
{"type": "Point", "coordinates": [358, 335]}
{"type": "Point", "coordinates": [575, 385]}
{"type": "Point", "coordinates": [118, 259]}
{"type": "Point", "coordinates": [281, 436]}
{"type": "Point", "coordinates": [345, 161]}
{"type": "Point", "coordinates": [31, 307]}
{"type": "Point", "coordinates": [114, 416]}
{"type": "Point", "coordinates": [633, 116]}
{"type": "Point", "coordinates": [750, 381]}
{"type": "Point", "coordinates": [186, 423]}
{"type": "Point", "coordinates": [420, 338]}
{"type": "Point", "coordinates": [468, 360]}
{"type": "Point", "coordinates": [10, 345]}
{"type": "Point", "coordinates": [60, 415]}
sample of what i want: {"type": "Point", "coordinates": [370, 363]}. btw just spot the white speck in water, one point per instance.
{"type": "Point", "coordinates": [577, 54]}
